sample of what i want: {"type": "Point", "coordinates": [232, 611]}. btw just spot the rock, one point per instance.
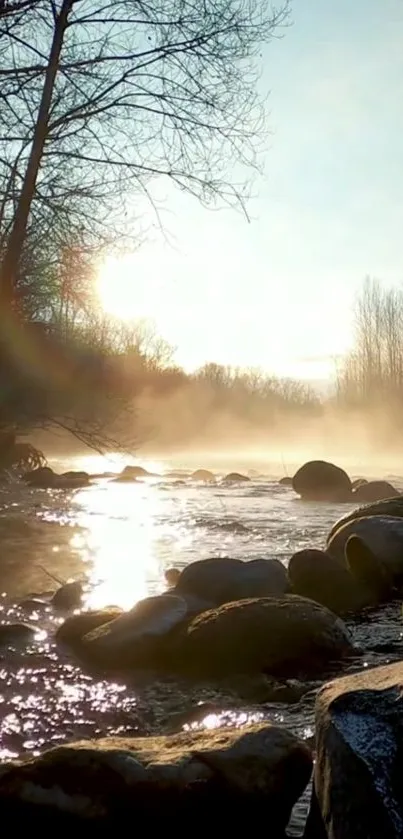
{"type": "Point", "coordinates": [221, 580]}
{"type": "Point", "coordinates": [72, 631]}
{"type": "Point", "coordinates": [234, 478]}
{"type": "Point", "coordinates": [287, 637]}
{"type": "Point", "coordinates": [135, 638]}
{"type": "Point", "coordinates": [242, 776]}
{"type": "Point", "coordinates": [370, 572]}
{"type": "Point", "coordinates": [383, 536]}
{"type": "Point", "coordinates": [358, 482]}
{"type": "Point", "coordinates": [391, 507]}
{"type": "Point", "coordinates": [68, 596]}
{"type": "Point", "coordinates": [17, 633]}
{"type": "Point", "coordinates": [46, 478]}
{"type": "Point", "coordinates": [208, 578]}
{"type": "Point", "coordinates": [42, 478]}
{"type": "Point", "coordinates": [319, 480]}
{"type": "Point", "coordinates": [257, 578]}
{"type": "Point", "coordinates": [172, 575]}
{"type": "Point", "coordinates": [320, 577]}
{"type": "Point", "coordinates": [138, 472]}
{"type": "Point", "coordinates": [71, 480]}
{"type": "Point", "coordinates": [359, 756]}
{"type": "Point", "coordinates": [203, 475]}
{"type": "Point", "coordinates": [374, 491]}
{"type": "Point", "coordinates": [285, 482]}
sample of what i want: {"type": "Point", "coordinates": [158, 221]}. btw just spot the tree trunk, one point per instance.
{"type": "Point", "coordinates": [10, 263]}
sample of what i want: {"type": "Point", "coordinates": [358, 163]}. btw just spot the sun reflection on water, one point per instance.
{"type": "Point", "coordinates": [120, 543]}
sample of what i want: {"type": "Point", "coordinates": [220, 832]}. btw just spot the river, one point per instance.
{"type": "Point", "coordinates": [121, 537]}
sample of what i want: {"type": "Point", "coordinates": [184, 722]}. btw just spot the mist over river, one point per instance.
{"type": "Point", "coordinates": [120, 538]}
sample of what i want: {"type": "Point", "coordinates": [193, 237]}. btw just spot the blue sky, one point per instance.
{"type": "Point", "coordinates": [278, 292]}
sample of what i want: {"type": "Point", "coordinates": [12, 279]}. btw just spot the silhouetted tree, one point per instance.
{"type": "Point", "coordinates": [97, 99]}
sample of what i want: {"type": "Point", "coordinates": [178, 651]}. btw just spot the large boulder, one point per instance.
{"type": "Point", "coordinates": [374, 491]}
{"type": "Point", "coordinates": [358, 771]}
{"type": "Point", "coordinates": [71, 632]}
{"type": "Point", "coordinates": [286, 636]}
{"type": "Point", "coordinates": [390, 507]}
{"type": "Point", "coordinates": [383, 537]}
{"type": "Point", "coordinates": [230, 778]}
{"type": "Point", "coordinates": [220, 580]}
{"type": "Point", "coordinates": [319, 480]}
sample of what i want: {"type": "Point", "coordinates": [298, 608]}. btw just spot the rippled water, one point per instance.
{"type": "Point", "coordinates": [120, 538]}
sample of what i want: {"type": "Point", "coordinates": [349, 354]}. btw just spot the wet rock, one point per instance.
{"type": "Point", "coordinates": [319, 480]}
{"type": "Point", "coordinates": [257, 578]}
{"type": "Point", "coordinates": [17, 633]}
{"type": "Point", "coordinates": [382, 535]}
{"type": "Point", "coordinates": [391, 507]}
{"type": "Point", "coordinates": [240, 776]}
{"type": "Point", "coordinates": [359, 763]}
{"type": "Point", "coordinates": [220, 580]}
{"type": "Point", "coordinates": [68, 596]}
{"type": "Point", "coordinates": [137, 472]}
{"type": "Point", "coordinates": [135, 638]}
{"type": "Point", "coordinates": [358, 482]}
{"type": "Point", "coordinates": [42, 478]}
{"type": "Point", "coordinates": [371, 573]}
{"type": "Point", "coordinates": [72, 480]}
{"type": "Point", "coordinates": [286, 481]}
{"type": "Point", "coordinates": [203, 475]}
{"type": "Point", "coordinates": [318, 576]}
{"type": "Point", "coordinates": [46, 478]}
{"type": "Point", "coordinates": [286, 637]}
{"type": "Point", "coordinates": [172, 575]}
{"type": "Point", "coordinates": [208, 578]}
{"type": "Point", "coordinates": [73, 629]}
{"type": "Point", "coordinates": [235, 478]}
{"type": "Point", "coordinates": [374, 491]}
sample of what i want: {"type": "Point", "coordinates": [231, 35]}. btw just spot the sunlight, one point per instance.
{"type": "Point", "coordinates": [128, 285]}
{"type": "Point", "coordinates": [120, 543]}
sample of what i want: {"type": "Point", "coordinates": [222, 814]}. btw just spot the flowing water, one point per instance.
{"type": "Point", "coordinates": [120, 538]}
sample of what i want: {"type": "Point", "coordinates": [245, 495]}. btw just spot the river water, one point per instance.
{"type": "Point", "coordinates": [120, 538]}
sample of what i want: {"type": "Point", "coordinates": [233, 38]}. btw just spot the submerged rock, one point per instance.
{"type": "Point", "coordinates": [286, 481]}
{"type": "Point", "coordinates": [17, 633]}
{"type": "Point", "coordinates": [374, 491]}
{"type": "Point", "coordinates": [46, 478]}
{"type": "Point", "coordinates": [319, 480]}
{"type": "Point", "coordinates": [237, 777]}
{"type": "Point", "coordinates": [359, 761]}
{"type": "Point", "coordinates": [203, 475]}
{"type": "Point", "coordinates": [286, 636]}
{"type": "Point", "coordinates": [235, 478]}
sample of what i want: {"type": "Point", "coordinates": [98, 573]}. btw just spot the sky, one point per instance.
{"type": "Point", "coordinates": [278, 292]}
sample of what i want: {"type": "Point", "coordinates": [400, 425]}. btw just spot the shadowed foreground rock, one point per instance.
{"type": "Point", "coordinates": [226, 776]}
{"type": "Point", "coordinates": [359, 767]}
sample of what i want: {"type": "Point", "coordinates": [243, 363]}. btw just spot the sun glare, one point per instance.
{"type": "Point", "coordinates": [127, 285]}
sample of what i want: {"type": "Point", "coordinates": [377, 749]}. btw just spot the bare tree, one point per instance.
{"type": "Point", "coordinates": [97, 99]}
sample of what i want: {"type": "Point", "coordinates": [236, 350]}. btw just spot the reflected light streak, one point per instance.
{"type": "Point", "coordinates": [121, 542]}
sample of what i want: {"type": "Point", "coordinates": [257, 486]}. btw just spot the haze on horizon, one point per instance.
{"type": "Point", "coordinates": [277, 292]}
